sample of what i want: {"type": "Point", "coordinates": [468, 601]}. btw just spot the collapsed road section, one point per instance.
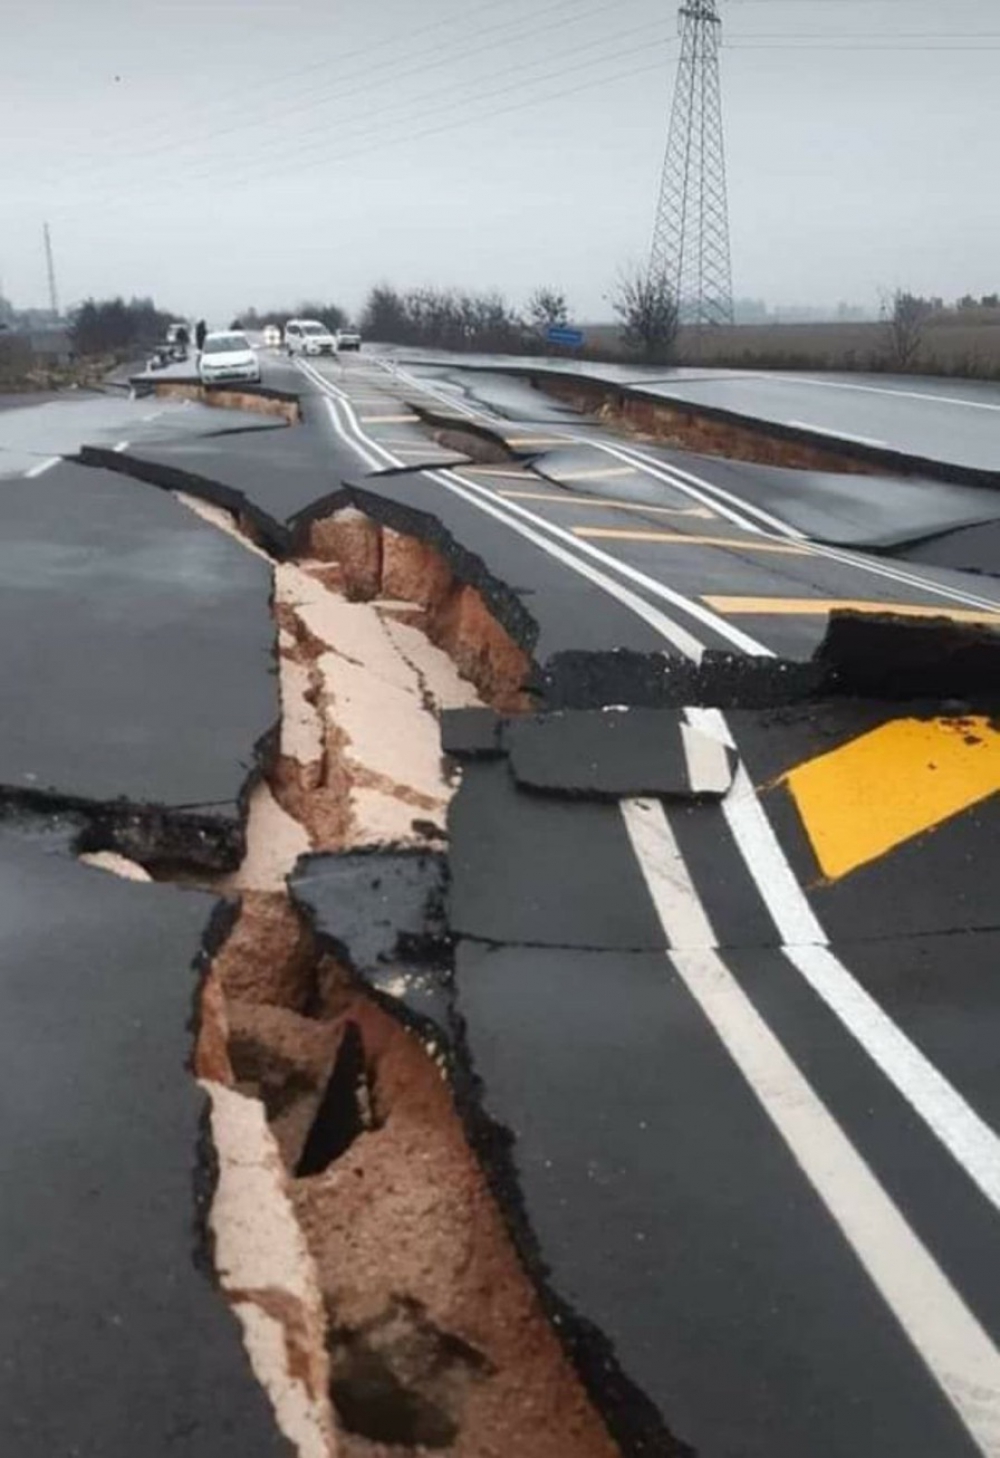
{"type": "Point", "coordinates": [568, 1066]}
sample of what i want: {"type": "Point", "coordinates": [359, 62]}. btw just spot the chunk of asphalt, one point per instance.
{"type": "Point", "coordinates": [471, 733]}
{"type": "Point", "coordinates": [383, 913]}
{"type": "Point", "coordinates": [535, 869]}
{"type": "Point", "coordinates": [673, 1237]}
{"type": "Point", "coordinates": [114, 1342]}
{"type": "Point", "coordinates": [270, 476]}
{"type": "Point", "coordinates": [895, 657]}
{"type": "Point", "coordinates": [141, 644]}
{"type": "Point", "coordinates": [612, 753]}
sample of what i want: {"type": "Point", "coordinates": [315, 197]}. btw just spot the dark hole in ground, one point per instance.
{"type": "Point", "coordinates": [399, 1380]}
{"type": "Point", "coordinates": [343, 1113]}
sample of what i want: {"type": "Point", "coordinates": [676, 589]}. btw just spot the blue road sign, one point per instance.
{"type": "Point", "coordinates": [559, 334]}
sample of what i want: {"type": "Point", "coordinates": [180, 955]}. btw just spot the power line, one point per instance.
{"type": "Point", "coordinates": [338, 94]}
{"type": "Point", "coordinates": [118, 201]}
{"type": "Point", "coordinates": [319, 154]}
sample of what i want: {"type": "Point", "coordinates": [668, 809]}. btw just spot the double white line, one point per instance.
{"type": "Point", "coordinates": [732, 508]}
{"type": "Point", "coordinates": [955, 1348]}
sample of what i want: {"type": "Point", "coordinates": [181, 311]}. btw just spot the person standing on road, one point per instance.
{"type": "Point", "coordinates": [200, 330]}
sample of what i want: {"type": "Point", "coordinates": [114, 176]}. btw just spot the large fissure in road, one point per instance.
{"type": "Point", "coordinates": [381, 1299]}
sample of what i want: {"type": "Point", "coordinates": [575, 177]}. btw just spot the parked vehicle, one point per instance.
{"type": "Point", "coordinates": [228, 356]}
{"type": "Point", "coordinates": [348, 339]}
{"type": "Point", "coordinates": [308, 336]}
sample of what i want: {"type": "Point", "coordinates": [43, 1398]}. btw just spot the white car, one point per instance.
{"type": "Point", "coordinates": [348, 339]}
{"type": "Point", "coordinates": [228, 356]}
{"type": "Point", "coordinates": [308, 336]}
{"type": "Point", "coordinates": [272, 336]}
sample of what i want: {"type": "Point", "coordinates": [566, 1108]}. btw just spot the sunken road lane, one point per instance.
{"type": "Point", "coordinates": [741, 1040]}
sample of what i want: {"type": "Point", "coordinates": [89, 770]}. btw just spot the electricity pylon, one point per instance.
{"type": "Point", "coordinates": [51, 269]}
{"type": "Point", "coordinates": [691, 237]}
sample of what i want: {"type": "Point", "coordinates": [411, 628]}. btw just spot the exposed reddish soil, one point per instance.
{"type": "Point", "coordinates": [688, 431]}
{"type": "Point", "coordinates": [377, 562]}
{"type": "Point", "coordinates": [224, 399]}
{"type": "Point", "coordinates": [435, 1335]}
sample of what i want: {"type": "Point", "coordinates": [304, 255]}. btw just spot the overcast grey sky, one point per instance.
{"type": "Point", "coordinates": [218, 153]}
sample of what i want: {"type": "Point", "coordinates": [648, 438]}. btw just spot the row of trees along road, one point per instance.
{"type": "Point", "coordinates": [112, 326]}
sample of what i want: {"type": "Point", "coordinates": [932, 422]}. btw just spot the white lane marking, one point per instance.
{"type": "Point", "coordinates": [837, 434]}
{"type": "Point", "coordinates": [956, 1350]}
{"type": "Point", "coordinates": [970, 1138]}
{"type": "Point", "coordinates": [913, 1076]}
{"type": "Point", "coordinates": [710, 770]}
{"type": "Point", "coordinates": [973, 1145]}
{"type": "Point", "coordinates": [879, 390]}
{"type": "Point", "coordinates": [42, 467]}
{"type": "Point", "coordinates": [681, 913]}
{"type": "Point", "coordinates": [671, 632]}
{"type": "Point", "coordinates": [506, 511]}
{"type": "Point", "coordinates": [692, 486]}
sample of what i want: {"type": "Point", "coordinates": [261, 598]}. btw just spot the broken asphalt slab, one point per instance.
{"type": "Point", "coordinates": [267, 478]}
{"type": "Point", "coordinates": [383, 913]}
{"type": "Point", "coordinates": [114, 1341]}
{"type": "Point", "coordinates": [61, 427]}
{"type": "Point", "coordinates": [528, 868]}
{"type": "Point", "coordinates": [140, 644]}
{"type": "Point", "coordinates": [711, 1269]}
{"type": "Point", "coordinates": [611, 753]}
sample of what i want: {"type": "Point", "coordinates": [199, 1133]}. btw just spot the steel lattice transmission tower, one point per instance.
{"type": "Point", "coordinates": [691, 237]}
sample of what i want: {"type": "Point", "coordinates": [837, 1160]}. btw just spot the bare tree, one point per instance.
{"type": "Point", "coordinates": [547, 308]}
{"type": "Point", "coordinates": [646, 304]}
{"type": "Point", "coordinates": [904, 322]}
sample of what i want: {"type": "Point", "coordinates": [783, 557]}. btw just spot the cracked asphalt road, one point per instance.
{"type": "Point", "coordinates": [728, 1057]}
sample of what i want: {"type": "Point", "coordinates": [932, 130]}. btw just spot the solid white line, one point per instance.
{"type": "Point", "coordinates": [693, 487]}
{"type": "Point", "coordinates": [877, 390]}
{"type": "Point", "coordinates": [667, 878]}
{"type": "Point", "coordinates": [951, 1119]}
{"type": "Point", "coordinates": [42, 467]}
{"type": "Point", "coordinates": [671, 632]}
{"type": "Point", "coordinates": [709, 767]}
{"type": "Point", "coordinates": [957, 1352]}
{"type": "Point", "coordinates": [508, 512]}
{"type": "Point", "coordinates": [969, 1140]}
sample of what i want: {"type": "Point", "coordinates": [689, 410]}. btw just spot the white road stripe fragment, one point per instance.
{"type": "Point", "coordinates": [710, 769]}
{"type": "Point", "coordinates": [42, 467]}
{"type": "Point", "coordinates": [968, 1139]}
{"type": "Point", "coordinates": [954, 1347]}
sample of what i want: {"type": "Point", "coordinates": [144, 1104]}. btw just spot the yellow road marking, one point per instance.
{"type": "Point", "coordinates": [541, 440]}
{"type": "Point", "coordinates": [620, 534]}
{"type": "Point", "coordinates": [564, 500]}
{"type": "Point", "coordinates": [388, 419]}
{"type": "Point", "coordinates": [862, 800]}
{"type": "Point", "coordinates": [495, 471]}
{"type": "Point", "coordinates": [817, 606]}
{"type": "Point", "coordinates": [604, 474]}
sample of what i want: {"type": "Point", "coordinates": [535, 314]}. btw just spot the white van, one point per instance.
{"type": "Point", "coordinates": [308, 336]}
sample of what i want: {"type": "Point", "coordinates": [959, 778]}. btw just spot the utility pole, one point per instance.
{"type": "Point", "coordinates": [53, 293]}
{"type": "Point", "coordinates": [691, 237]}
